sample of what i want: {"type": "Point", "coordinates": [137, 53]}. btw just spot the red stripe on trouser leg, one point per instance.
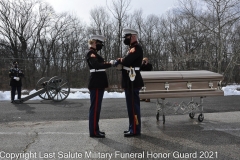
{"type": "Point", "coordinates": [95, 114]}
{"type": "Point", "coordinates": [134, 119]}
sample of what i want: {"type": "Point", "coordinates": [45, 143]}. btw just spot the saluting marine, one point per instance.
{"type": "Point", "coordinates": [16, 76]}
{"type": "Point", "coordinates": [97, 83]}
{"type": "Point", "coordinates": [132, 80]}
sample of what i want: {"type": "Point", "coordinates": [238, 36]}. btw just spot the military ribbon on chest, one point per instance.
{"type": "Point", "coordinates": [132, 50]}
{"type": "Point", "coordinates": [93, 55]}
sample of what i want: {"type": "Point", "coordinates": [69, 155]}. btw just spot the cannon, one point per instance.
{"type": "Point", "coordinates": [55, 88]}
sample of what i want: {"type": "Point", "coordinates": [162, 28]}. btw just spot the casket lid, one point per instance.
{"type": "Point", "coordinates": [173, 75]}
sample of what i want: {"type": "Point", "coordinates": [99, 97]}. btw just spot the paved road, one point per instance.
{"type": "Point", "coordinates": [42, 110]}
{"type": "Point", "coordinates": [46, 130]}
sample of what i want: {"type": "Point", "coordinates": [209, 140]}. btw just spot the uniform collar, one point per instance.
{"type": "Point", "coordinates": [91, 48]}
{"type": "Point", "coordinates": [133, 44]}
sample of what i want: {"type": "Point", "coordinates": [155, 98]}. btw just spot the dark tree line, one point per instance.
{"type": "Point", "coordinates": [196, 35]}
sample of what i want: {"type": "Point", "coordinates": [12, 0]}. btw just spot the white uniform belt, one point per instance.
{"type": "Point", "coordinates": [127, 68]}
{"type": "Point", "coordinates": [97, 70]}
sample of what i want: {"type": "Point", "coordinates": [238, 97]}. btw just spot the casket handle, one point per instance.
{"type": "Point", "coordinates": [210, 84]}
{"type": "Point", "coordinates": [144, 89]}
{"type": "Point", "coordinates": [189, 85]}
{"type": "Point", "coordinates": [167, 86]}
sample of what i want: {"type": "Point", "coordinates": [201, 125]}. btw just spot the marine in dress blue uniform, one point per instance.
{"type": "Point", "coordinates": [15, 75]}
{"type": "Point", "coordinates": [97, 83]}
{"type": "Point", "coordinates": [132, 81]}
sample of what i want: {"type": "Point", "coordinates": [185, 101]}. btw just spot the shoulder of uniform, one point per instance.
{"type": "Point", "coordinates": [132, 50]}
{"type": "Point", "coordinates": [91, 53]}
{"type": "Point", "coordinates": [138, 46]}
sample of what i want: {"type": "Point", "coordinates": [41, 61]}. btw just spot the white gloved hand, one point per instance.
{"type": "Point", "coordinates": [16, 78]}
{"type": "Point", "coordinates": [113, 62]}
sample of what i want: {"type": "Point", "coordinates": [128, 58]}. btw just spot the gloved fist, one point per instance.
{"type": "Point", "coordinates": [116, 63]}
{"type": "Point", "coordinates": [113, 62]}
{"type": "Point", "coordinates": [16, 78]}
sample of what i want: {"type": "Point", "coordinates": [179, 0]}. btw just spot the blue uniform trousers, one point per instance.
{"type": "Point", "coordinates": [133, 107]}
{"type": "Point", "coordinates": [96, 96]}
{"type": "Point", "coordinates": [13, 91]}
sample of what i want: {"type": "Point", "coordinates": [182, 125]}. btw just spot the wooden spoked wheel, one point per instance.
{"type": "Point", "coordinates": [57, 89]}
{"type": "Point", "coordinates": [41, 84]}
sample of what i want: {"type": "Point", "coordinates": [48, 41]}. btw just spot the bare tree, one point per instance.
{"type": "Point", "coordinates": [218, 19]}
{"type": "Point", "coordinates": [19, 26]}
{"type": "Point", "coordinates": [119, 10]}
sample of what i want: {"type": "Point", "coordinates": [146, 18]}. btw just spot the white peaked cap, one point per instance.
{"type": "Point", "coordinates": [98, 37]}
{"type": "Point", "coordinates": [129, 31]}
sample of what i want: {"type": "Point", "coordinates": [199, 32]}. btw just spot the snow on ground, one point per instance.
{"type": "Point", "coordinates": [82, 93]}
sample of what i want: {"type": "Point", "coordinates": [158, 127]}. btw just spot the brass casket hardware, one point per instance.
{"type": "Point", "coordinates": [166, 86]}
{"type": "Point", "coordinates": [189, 85]}
{"type": "Point", "coordinates": [210, 84]}
{"type": "Point", "coordinates": [144, 89]}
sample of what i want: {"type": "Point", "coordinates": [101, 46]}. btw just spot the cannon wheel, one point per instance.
{"type": "Point", "coordinates": [57, 89]}
{"type": "Point", "coordinates": [39, 86]}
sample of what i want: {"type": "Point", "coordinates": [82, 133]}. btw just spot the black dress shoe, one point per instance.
{"type": "Point", "coordinates": [102, 132]}
{"type": "Point", "coordinates": [129, 134]}
{"type": "Point", "coordinates": [125, 132]}
{"type": "Point", "coordinates": [98, 136]}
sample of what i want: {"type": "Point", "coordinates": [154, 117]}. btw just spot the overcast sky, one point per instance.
{"type": "Point", "coordinates": [82, 7]}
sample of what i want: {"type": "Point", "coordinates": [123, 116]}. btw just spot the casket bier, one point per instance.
{"type": "Point", "coordinates": [178, 84]}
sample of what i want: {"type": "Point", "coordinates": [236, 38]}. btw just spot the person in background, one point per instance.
{"type": "Point", "coordinates": [146, 66]}
{"type": "Point", "coordinates": [16, 76]}
{"type": "Point", "coordinates": [97, 83]}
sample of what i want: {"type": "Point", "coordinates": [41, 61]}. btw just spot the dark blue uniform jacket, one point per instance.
{"type": "Point", "coordinates": [132, 59]}
{"type": "Point", "coordinates": [15, 72]}
{"type": "Point", "coordinates": [97, 80]}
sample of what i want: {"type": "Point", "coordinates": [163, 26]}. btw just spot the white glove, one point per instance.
{"type": "Point", "coordinates": [16, 78]}
{"type": "Point", "coordinates": [113, 62]}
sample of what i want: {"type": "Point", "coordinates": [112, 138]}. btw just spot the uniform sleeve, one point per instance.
{"type": "Point", "coordinates": [93, 60]}
{"type": "Point", "coordinates": [95, 64]}
{"type": "Point", "coordinates": [10, 74]}
{"type": "Point", "coordinates": [148, 67]}
{"type": "Point", "coordinates": [142, 67]}
{"type": "Point", "coordinates": [21, 75]}
{"type": "Point", "coordinates": [131, 57]}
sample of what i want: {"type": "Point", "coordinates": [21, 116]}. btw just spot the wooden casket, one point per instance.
{"type": "Point", "coordinates": [179, 84]}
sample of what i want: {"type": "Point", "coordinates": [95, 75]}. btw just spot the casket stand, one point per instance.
{"type": "Point", "coordinates": [178, 84]}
